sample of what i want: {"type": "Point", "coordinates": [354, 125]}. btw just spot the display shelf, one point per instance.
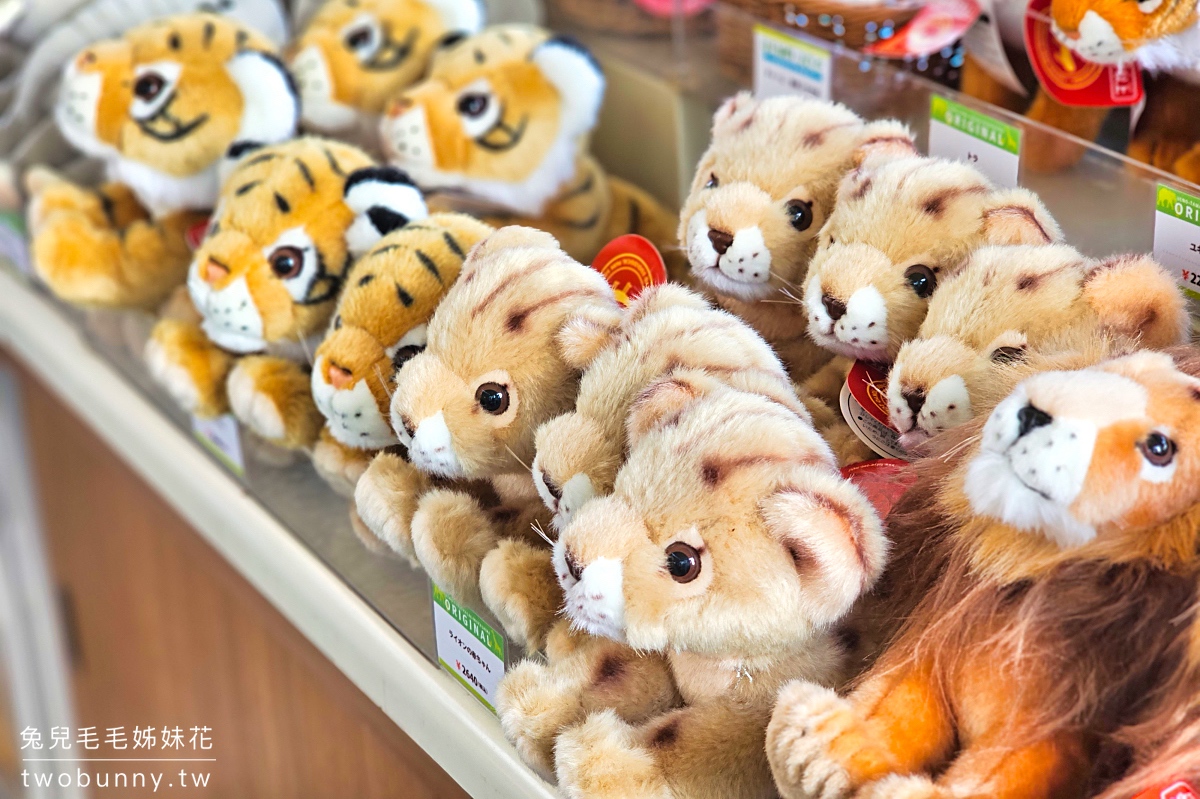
{"type": "Point", "coordinates": [283, 529]}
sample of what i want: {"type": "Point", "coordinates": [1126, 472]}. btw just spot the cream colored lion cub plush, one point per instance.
{"type": "Point", "coordinates": [496, 365]}
{"type": "Point", "coordinates": [750, 224]}
{"type": "Point", "coordinates": [731, 546]}
{"type": "Point", "coordinates": [900, 227]}
{"type": "Point", "coordinates": [986, 322]}
{"type": "Point", "coordinates": [667, 327]}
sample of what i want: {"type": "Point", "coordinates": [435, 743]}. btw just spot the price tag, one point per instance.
{"type": "Point", "coordinates": [468, 648]}
{"type": "Point", "coordinates": [962, 134]}
{"type": "Point", "coordinates": [222, 437]}
{"type": "Point", "coordinates": [1177, 240]}
{"type": "Point", "coordinates": [785, 65]}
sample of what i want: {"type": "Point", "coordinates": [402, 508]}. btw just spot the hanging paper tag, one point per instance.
{"type": "Point", "coordinates": [195, 234]}
{"type": "Point", "coordinates": [630, 263]}
{"type": "Point", "coordinates": [468, 648]}
{"type": "Point", "coordinates": [864, 406]}
{"type": "Point", "coordinates": [882, 481]}
{"type": "Point", "coordinates": [785, 65]}
{"type": "Point", "coordinates": [667, 8]}
{"type": "Point", "coordinates": [962, 134]}
{"type": "Point", "coordinates": [222, 437]}
{"type": "Point", "coordinates": [1177, 240]}
{"type": "Point", "coordinates": [1068, 77]}
{"type": "Point", "coordinates": [939, 23]}
{"type": "Point", "coordinates": [984, 42]}
{"type": "Point", "coordinates": [1176, 790]}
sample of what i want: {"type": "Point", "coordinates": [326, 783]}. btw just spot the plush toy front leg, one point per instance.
{"type": "Point", "coordinates": [386, 498]}
{"type": "Point", "coordinates": [98, 248]}
{"type": "Point", "coordinates": [273, 398]}
{"type": "Point", "coordinates": [338, 465]}
{"type": "Point", "coordinates": [823, 746]}
{"type": "Point", "coordinates": [189, 366]}
{"type": "Point", "coordinates": [698, 752]}
{"type": "Point", "coordinates": [537, 701]}
{"type": "Point", "coordinates": [451, 535]}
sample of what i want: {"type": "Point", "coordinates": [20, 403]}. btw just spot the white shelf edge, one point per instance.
{"type": "Point", "coordinates": [442, 718]}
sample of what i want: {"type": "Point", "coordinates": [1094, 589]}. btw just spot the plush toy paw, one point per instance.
{"type": "Point", "coordinates": [451, 535]}
{"type": "Point", "coordinates": [900, 786]}
{"type": "Point", "coordinates": [535, 705]}
{"type": "Point", "coordinates": [1187, 166]}
{"type": "Point", "coordinates": [807, 719]}
{"type": "Point", "coordinates": [51, 193]}
{"type": "Point", "coordinates": [338, 465]}
{"type": "Point", "coordinates": [386, 497]}
{"type": "Point", "coordinates": [184, 362]}
{"type": "Point", "coordinates": [517, 584]}
{"type": "Point", "coordinates": [602, 759]}
{"type": "Point", "coordinates": [273, 398]}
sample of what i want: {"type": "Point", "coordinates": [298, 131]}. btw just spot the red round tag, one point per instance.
{"type": "Point", "coordinates": [1176, 790]}
{"type": "Point", "coordinates": [882, 481]}
{"type": "Point", "coordinates": [630, 263]}
{"type": "Point", "coordinates": [1070, 78]}
{"type": "Point", "coordinates": [195, 234]}
{"type": "Point", "coordinates": [868, 386]}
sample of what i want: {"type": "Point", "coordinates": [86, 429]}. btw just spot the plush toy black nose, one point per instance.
{"type": "Point", "coordinates": [915, 400]}
{"type": "Point", "coordinates": [721, 241]}
{"type": "Point", "coordinates": [1029, 418]}
{"type": "Point", "coordinates": [835, 307]}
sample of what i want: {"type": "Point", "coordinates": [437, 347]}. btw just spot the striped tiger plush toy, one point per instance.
{"type": "Point", "coordinates": [160, 106]}
{"type": "Point", "coordinates": [266, 279]}
{"type": "Point", "coordinates": [354, 55]}
{"type": "Point", "coordinates": [501, 126]}
{"type": "Point", "coordinates": [380, 323]}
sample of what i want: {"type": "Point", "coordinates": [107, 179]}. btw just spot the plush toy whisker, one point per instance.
{"type": "Point", "coordinates": [536, 526]}
{"type": "Point", "coordinates": [528, 468]}
{"type": "Point", "coordinates": [387, 390]}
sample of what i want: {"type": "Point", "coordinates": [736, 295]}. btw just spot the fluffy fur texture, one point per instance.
{"type": "Point", "coordinates": [378, 326]}
{"type": "Point", "coordinates": [984, 322]}
{"type": "Point", "coordinates": [160, 106]}
{"type": "Point", "coordinates": [1058, 563]}
{"type": "Point", "coordinates": [468, 407]}
{"type": "Point", "coordinates": [749, 225]}
{"type": "Point", "coordinates": [730, 546]}
{"type": "Point", "coordinates": [266, 278]}
{"type": "Point", "coordinates": [502, 123]}
{"type": "Point", "coordinates": [667, 328]}
{"type": "Point", "coordinates": [898, 228]}
{"type": "Point", "coordinates": [354, 55]}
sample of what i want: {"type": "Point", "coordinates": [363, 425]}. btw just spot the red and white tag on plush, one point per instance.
{"type": "Point", "coordinates": [864, 406]}
{"type": "Point", "coordinates": [1068, 77]}
{"type": "Point", "coordinates": [883, 482]}
{"type": "Point", "coordinates": [939, 23]}
{"type": "Point", "coordinates": [667, 8]}
{"type": "Point", "coordinates": [195, 234]}
{"type": "Point", "coordinates": [1176, 790]}
{"type": "Point", "coordinates": [630, 263]}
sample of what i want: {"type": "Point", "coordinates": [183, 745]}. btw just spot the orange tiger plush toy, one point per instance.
{"type": "Point", "coordinates": [1061, 555]}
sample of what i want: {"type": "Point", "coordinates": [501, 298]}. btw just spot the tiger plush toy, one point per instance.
{"type": "Point", "coordinates": [266, 278]}
{"type": "Point", "coordinates": [502, 122]}
{"type": "Point", "coordinates": [354, 55]}
{"type": "Point", "coordinates": [378, 326]}
{"type": "Point", "coordinates": [1061, 553]}
{"type": "Point", "coordinates": [160, 106]}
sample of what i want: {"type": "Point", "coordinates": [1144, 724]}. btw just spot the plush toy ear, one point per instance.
{"type": "Point", "coordinates": [1017, 216]}
{"type": "Point", "coordinates": [1010, 346]}
{"type": "Point", "coordinates": [880, 142]}
{"type": "Point", "coordinates": [833, 535]}
{"type": "Point", "coordinates": [513, 236]}
{"type": "Point", "coordinates": [383, 198]}
{"type": "Point", "coordinates": [459, 16]}
{"type": "Point", "coordinates": [270, 101]}
{"type": "Point", "coordinates": [587, 333]}
{"type": "Point", "coordinates": [663, 399]}
{"type": "Point", "coordinates": [736, 108]}
{"type": "Point", "coordinates": [572, 70]}
{"type": "Point", "coordinates": [1134, 296]}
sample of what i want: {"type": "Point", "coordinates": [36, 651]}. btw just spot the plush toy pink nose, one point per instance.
{"type": "Point", "coordinates": [397, 106]}
{"type": "Point", "coordinates": [85, 59]}
{"type": "Point", "coordinates": [215, 271]}
{"type": "Point", "coordinates": [338, 377]}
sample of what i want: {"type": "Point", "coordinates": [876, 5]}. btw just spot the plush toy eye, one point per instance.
{"type": "Point", "coordinates": [473, 105]}
{"type": "Point", "coordinates": [683, 562]}
{"type": "Point", "coordinates": [358, 38]}
{"type": "Point", "coordinates": [406, 354]}
{"type": "Point", "coordinates": [712, 182]}
{"type": "Point", "coordinates": [493, 398]}
{"type": "Point", "coordinates": [149, 85]}
{"type": "Point", "coordinates": [921, 278]}
{"type": "Point", "coordinates": [800, 214]}
{"type": "Point", "coordinates": [286, 262]}
{"type": "Point", "coordinates": [1157, 449]}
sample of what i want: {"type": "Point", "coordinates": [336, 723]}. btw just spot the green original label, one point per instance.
{"type": "Point", "coordinates": [801, 57]}
{"type": "Point", "coordinates": [975, 124]}
{"type": "Point", "coordinates": [470, 622]}
{"type": "Point", "coordinates": [1178, 204]}
{"type": "Point", "coordinates": [13, 220]}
